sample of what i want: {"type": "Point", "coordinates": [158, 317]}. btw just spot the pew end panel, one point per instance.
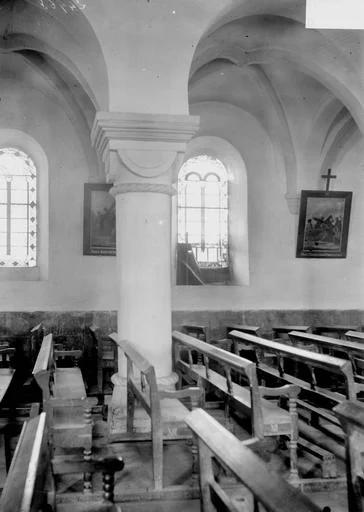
{"type": "Point", "coordinates": [164, 408]}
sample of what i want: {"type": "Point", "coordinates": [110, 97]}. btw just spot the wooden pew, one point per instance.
{"type": "Point", "coordinates": [267, 487]}
{"type": "Point", "coordinates": [267, 419]}
{"type": "Point", "coordinates": [32, 469]}
{"type": "Point", "coordinates": [281, 331]}
{"type": "Point", "coordinates": [166, 412]}
{"type": "Point", "coordinates": [315, 402]}
{"type": "Point", "coordinates": [339, 330]}
{"type": "Point", "coordinates": [198, 331]}
{"type": "Point", "coordinates": [355, 336]}
{"type": "Point", "coordinates": [36, 338]}
{"type": "Point", "coordinates": [333, 346]}
{"type": "Point", "coordinates": [312, 360]}
{"type": "Point", "coordinates": [65, 402]}
{"type": "Point", "coordinates": [251, 329]}
{"type": "Point", "coordinates": [106, 355]}
{"type": "Point", "coordinates": [351, 416]}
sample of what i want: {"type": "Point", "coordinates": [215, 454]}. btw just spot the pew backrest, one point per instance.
{"type": "Point", "coordinates": [227, 361]}
{"type": "Point", "coordinates": [325, 342]}
{"type": "Point", "coordinates": [311, 359]}
{"type": "Point", "coordinates": [44, 366]}
{"type": "Point", "coordinates": [355, 335]}
{"type": "Point", "coordinates": [353, 350]}
{"type": "Point", "coordinates": [268, 487]}
{"type": "Point", "coordinates": [24, 487]}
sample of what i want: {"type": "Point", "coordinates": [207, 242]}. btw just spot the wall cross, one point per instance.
{"type": "Point", "coordinates": [328, 177]}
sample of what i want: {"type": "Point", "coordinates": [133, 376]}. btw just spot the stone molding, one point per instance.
{"type": "Point", "coordinates": [157, 188]}
{"type": "Point", "coordinates": [176, 130]}
{"type": "Point", "coordinates": [141, 147]}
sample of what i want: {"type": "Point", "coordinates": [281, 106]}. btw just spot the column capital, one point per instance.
{"type": "Point", "coordinates": [138, 148]}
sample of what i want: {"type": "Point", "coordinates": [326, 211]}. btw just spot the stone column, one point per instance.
{"type": "Point", "coordinates": [142, 154]}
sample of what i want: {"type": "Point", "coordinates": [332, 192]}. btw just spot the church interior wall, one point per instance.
{"type": "Point", "coordinates": [75, 282]}
{"type": "Point", "coordinates": [233, 105]}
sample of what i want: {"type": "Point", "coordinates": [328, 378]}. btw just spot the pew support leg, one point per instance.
{"type": "Point", "coordinates": [293, 441]}
{"type": "Point", "coordinates": [87, 477]}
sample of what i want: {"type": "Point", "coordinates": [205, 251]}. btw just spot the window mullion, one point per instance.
{"type": "Point", "coordinates": [8, 218]}
{"type": "Point", "coordinates": [28, 217]}
{"type": "Point", "coordinates": [203, 217]}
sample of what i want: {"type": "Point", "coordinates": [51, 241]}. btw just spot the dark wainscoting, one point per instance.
{"type": "Point", "coordinates": [58, 322]}
{"type": "Point", "coordinates": [66, 323]}
{"type": "Point", "coordinates": [265, 319]}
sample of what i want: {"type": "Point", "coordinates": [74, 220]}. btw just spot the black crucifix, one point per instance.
{"type": "Point", "coordinates": [328, 177]}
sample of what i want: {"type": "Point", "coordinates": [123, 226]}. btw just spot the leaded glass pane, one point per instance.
{"type": "Point", "coordinates": [203, 210]}
{"type": "Point", "coordinates": [18, 209]}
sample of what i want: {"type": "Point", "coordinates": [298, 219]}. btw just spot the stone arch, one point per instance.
{"type": "Point", "coordinates": [258, 39]}
{"type": "Point", "coordinates": [62, 39]}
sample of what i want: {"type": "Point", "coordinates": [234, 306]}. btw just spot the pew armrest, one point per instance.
{"type": "Point", "coordinates": [288, 390]}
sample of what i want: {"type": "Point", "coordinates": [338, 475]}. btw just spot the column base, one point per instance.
{"type": "Point", "coordinates": [117, 410]}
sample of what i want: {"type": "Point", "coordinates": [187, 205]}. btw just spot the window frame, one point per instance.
{"type": "Point", "coordinates": [223, 150]}
{"type": "Point", "coordinates": [183, 209]}
{"type": "Point", "coordinates": [26, 143]}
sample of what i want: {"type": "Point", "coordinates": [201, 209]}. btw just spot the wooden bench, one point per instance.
{"type": "Point", "coordinates": [339, 330]}
{"type": "Point", "coordinates": [166, 412]}
{"type": "Point", "coordinates": [29, 486]}
{"type": "Point", "coordinates": [281, 331]}
{"type": "Point", "coordinates": [267, 487]}
{"type": "Point", "coordinates": [351, 416]}
{"type": "Point", "coordinates": [198, 331]}
{"type": "Point", "coordinates": [351, 350]}
{"type": "Point", "coordinates": [106, 353]}
{"type": "Point", "coordinates": [311, 360]}
{"type": "Point", "coordinates": [251, 329]}
{"type": "Point", "coordinates": [315, 402]}
{"type": "Point", "coordinates": [65, 402]}
{"type": "Point", "coordinates": [267, 419]}
{"type": "Point", "coordinates": [354, 335]}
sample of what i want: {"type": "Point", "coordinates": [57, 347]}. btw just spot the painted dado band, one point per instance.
{"type": "Point", "coordinates": [157, 188]}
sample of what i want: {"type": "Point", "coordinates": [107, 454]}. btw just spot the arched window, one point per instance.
{"type": "Point", "coordinates": [203, 211]}
{"type": "Point", "coordinates": [18, 209]}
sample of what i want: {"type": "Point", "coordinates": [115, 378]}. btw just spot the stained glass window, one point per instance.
{"type": "Point", "coordinates": [203, 210]}
{"type": "Point", "coordinates": [18, 209]}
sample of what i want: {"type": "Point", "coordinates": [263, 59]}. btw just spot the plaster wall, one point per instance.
{"type": "Point", "coordinates": [75, 282]}
{"type": "Point", "coordinates": [279, 280]}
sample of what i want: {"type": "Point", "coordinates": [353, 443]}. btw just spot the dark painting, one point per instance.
{"type": "Point", "coordinates": [323, 224]}
{"type": "Point", "coordinates": [99, 237]}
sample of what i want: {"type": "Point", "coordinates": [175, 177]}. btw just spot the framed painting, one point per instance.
{"type": "Point", "coordinates": [99, 222]}
{"type": "Point", "coordinates": [323, 224]}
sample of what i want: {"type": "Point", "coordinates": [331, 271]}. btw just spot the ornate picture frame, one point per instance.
{"type": "Point", "coordinates": [99, 222]}
{"type": "Point", "coordinates": [323, 225]}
